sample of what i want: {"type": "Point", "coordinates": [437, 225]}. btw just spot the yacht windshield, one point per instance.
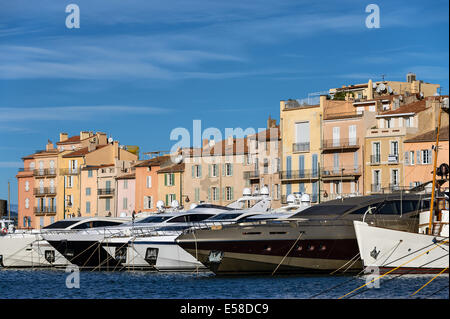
{"type": "Point", "coordinates": [62, 224]}
{"type": "Point", "coordinates": [213, 206]}
{"type": "Point", "coordinates": [154, 219]}
{"type": "Point", "coordinates": [225, 216]}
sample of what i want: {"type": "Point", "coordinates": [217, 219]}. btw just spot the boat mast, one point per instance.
{"type": "Point", "coordinates": [433, 191]}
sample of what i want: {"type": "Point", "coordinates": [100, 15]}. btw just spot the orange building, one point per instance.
{"type": "Point", "coordinates": [419, 156]}
{"type": "Point", "coordinates": [146, 187]}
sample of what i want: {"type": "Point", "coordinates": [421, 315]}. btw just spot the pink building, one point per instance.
{"type": "Point", "coordinates": [126, 187]}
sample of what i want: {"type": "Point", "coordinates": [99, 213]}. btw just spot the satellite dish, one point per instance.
{"type": "Point", "coordinates": [178, 159]}
{"type": "Point", "coordinates": [290, 199]}
{"type": "Point", "coordinates": [160, 205]}
{"type": "Point", "coordinates": [264, 191]}
{"type": "Point", "coordinates": [110, 140]}
{"type": "Point", "coordinates": [382, 87]}
{"type": "Point", "coordinates": [306, 198]}
{"type": "Point", "coordinates": [247, 192]}
{"type": "Point", "coordinates": [374, 85]}
{"type": "Point", "coordinates": [175, 203]}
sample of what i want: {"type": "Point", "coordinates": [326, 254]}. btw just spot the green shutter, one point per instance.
{"type": "Point", "coordinates": [165, 179]}
{"type": "Point", "coordinates": [209, 194]}
{"type": "Point", "coordinates": [232, 193]}
{"type": "Point", "coordinates": [209, 170]}
{"type": "Point", "coordinates": [224, 193]}
{"type": "Point", "coordinates": [167, 200]}
{"type": "Point", "coordinates": [173, 179]}
{"type": "Point", "coordinates": [231, 169]}
{"type": "Point", "coordinates": [199, 171]}
{"type": "Point", "coordinates": [193, 171]}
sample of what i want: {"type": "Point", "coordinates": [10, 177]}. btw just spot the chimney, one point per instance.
{"type": "Point", "coordinates": [230, 140]}
{"type": "Point", "coordinates": [63, 137]}
{"type": "Point", "coordinates": [84, 135]}
{"type": "Point", "coordinates": [116, 151]}
{"type": "Point", "coordinates": [49, 146]}
{"type": "Point", "coordinates": [370, 90]}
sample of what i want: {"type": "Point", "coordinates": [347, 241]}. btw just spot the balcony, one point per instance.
{"type": "Point", "coordinates": [251, 175]}
{"type": "Point", "coordinates": [375, 159]}
{"type": "Point", "coordinates": [307, 174]}
{"type": "Point", "coordinates": [69, 171]}
{"type": "Point", "coordinates": [44, 172]}
{"type": "Point", "coordinates": [376, 188]}
{"type": "Point", "coordinates": [338, 173]}
{"type": "Point", "coordinates": [41, 211]}
{"type": "Point", "coordinates": [105, 192]}
{"type": "Point", "coordinates": [300, 147]}
{"type": "Point", "coordinates": [45, 191]}
{"type": "Point", "coordinates": [340, 144]}
{"type": "Point", "coordinates": [393, 159]}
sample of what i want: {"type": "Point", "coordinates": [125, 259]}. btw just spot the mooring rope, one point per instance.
{"type": "Point", "coordinates": [300, 235]}
{"type": "Point", "coordinates": [429, 281]}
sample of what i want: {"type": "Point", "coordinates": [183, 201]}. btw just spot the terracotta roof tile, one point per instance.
{"type": "Point", "coordinates": [430, 136]}
{"type": "Point", "coordinates": [83, 151]}
{"type": "Point", "coordinates": [156, 161]}
{"type": "Point", "coordinates": [72, 139]}
{"type": "Point", "coordinates": [414, 107]}
{"type": "Point", "coordinates": [172, 168]}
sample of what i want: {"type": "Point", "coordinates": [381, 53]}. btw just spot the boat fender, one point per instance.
{"type": "Point", "coordinates": [4, 231]}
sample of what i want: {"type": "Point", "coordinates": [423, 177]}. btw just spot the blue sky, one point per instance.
{"type": "Point", "coordinates": [137, 69]}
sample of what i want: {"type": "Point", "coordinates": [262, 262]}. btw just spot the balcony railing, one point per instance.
{"type": "Point", "coordinates": [341, 171]}
{"type": "Point", "coordinates": [375, 159]}
{"type": "Point", "coordinates": [297, 175]}
{"type": "Point", "coordinates": [69, 171]}
{"type": "Point", "coordinates": [44, 211]}
{"type": "Point", "coordinates": [300, 147]}
{"type": "Point", "coordinates": [42, 172]}
{"type": "Point", "coordinates": [376, 188]}
{"type": "Point", "coordinates": [343, 143]}
{"type": "Point", "coordinates": [393, 159]}
{"type": "Point", "coordinates": [105, 191]}
{"type": "Point", "coordinates": [45, 191]}
{"type": "Point", "coordinates": [251, 174]}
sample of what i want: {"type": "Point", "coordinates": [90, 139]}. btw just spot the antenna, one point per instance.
{"type": "Point", "coordinates": [382, 76]}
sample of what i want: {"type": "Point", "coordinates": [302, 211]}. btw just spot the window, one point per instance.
{"type": "Point", "coordinates": [69, 181]}
{"type": "Point", "coordinates": [411, 157]}
{"type": "Point", "coordinates": [278, 191]}
{"type": "Point", "coordinates": [52, 220]}
{"type": "Point", "coordinates": [197, 195]}
{"type": "Point", "coordinates": [27, 203]}
{"type": "Point", "coordinates": [197, 171]}
{"type": "Point", "coordinates": [408, 121]}
{"type": "Point", "coordinates": [394, 177]}
{"type": "Point", "coordinates": [108, 204]}
{"type": "Point", "coordinates": [266, 166]}
{"type": "Point", "coordinates": [406, 158]}
{"type": "Point", "coordinates": [394, 148]}
{"type": "Point", "coordinates": [90, 173]}
{"type": "Point", "coordinates": [149, 182]}
{"type": "Point", "coordinates": [215, 193]}
{"type": "Point", "coordinates": [388, 123]}
{"type": "Point", "coordinates": [214, 170]}
{"type": "Point", "coordinates": [124, 203]}
{"type": "Point", "coordinates": [88, 207]}
{"type": "Point", "coordinates": [169, 179]}
{"type": "Point", "coordinates": [375, 152]}
{"type": "Point", "coordinates": [229, 193]}
{"type": "Point", "coordinates": [148, 202]}
{"type": "Point", "coordinates": [228, 169]}
{"type": "Point", "coordinates": [88, 191]}
{"type": "Point", "coordinates": [108, 185]}
{"type": "Point", "coordinates": [125, 183]}
{"type": "Point", "coordinates": [27, 186]}
{"type": "Point", "coordinates": [425, 156]}
{"type": "Point", "coordinates": [69, 201]}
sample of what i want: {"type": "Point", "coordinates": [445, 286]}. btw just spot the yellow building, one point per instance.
{"type": "Point", "coordinates": [300, 127]}
{"type": "Point", "coordinates": [170, 184]}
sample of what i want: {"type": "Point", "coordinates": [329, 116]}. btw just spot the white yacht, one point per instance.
{"type": "Point", "coordinates": [27, 248]}
{"type": "Point", "coordinates": [107, 248]}
{"type": "Point", "coordinates": [394, 251]}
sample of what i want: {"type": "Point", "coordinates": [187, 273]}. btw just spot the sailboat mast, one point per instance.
{"type": "Point", "coordinates": [434, 174]}
{"type": "Point", "coordinates": [9, 202]}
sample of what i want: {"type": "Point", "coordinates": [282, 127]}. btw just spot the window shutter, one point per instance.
{"type": "Point", "coordinates": [223, 169]}
{"type": "Point", "coordinates": [406, 158]}
{"type": "Point", "coordinates": [232, 193]}
{"type": "Point", "coordinates": [209, 194]}
{"type": "Point", "coordinates": [418, 157]}
{"type": "Point", "coordinates": [200, 171]}
{"type": "Point", "coordinates": [231, 169]}
{"type": "Point", "coordinates": [165, 179]}
{"type": "Point", "coordinates": [173, 179]}
{"type": "Point", "coordinates": [167, 200]}
{"type": "Point", "coordinates": [193, 171]}
{"type": "Point", "coordinates": [224, 193]}
{"type": "Point", "coordinates": [209, 170]}
{"type": "Point", "coordinates": [430, 155]}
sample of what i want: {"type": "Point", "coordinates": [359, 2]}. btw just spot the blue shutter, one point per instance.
{"type": "Point", "coordinates": [288, 167]}
{"type": "Point", "coordinates": [288, 189]}
{"type": "Point", "coordinates": [301, 165]}
{"type": "Point", "coordinates": [314, 165]}
{"type": "Point", "coordinates": [314, 192]}
{"type": "Point", "coordinates": [301, 187]}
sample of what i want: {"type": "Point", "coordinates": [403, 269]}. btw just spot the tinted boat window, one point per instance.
{"type": "Point", "coordinates": [388, 208]}
{"type": "Point", "coordinates": [190, 218]}
{"type": "Point", "coordinates": [154, 219]}
{"type": "Point", "coordinates": [99, 223]}
{"type": "Point", "coordinates": [324, 210]}
{"type": "Point", "coordinates": [407, 206]}
{"type": "Point", "coordinates": [62, 224]}
{"type": "Point", "coordinates": [225, 216]}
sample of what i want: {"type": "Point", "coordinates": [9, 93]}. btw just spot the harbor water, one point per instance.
{"type": "Point", "coordinates": [47, 284]}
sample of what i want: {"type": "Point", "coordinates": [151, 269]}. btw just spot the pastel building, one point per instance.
{"type": "Point", "coordinates": [300, 127]}
{"type": "Point", "coordinates": [215, 172]}
{"type": "Point", "coordinates": [384, 142]}
{"type": "Point", "coordinates": [265, 158]}
{"type": "Point", "coordinates": [419, 156]}
{"type": "Point", "coordinates": [147, 183]}
{"type": "Point", "coordinates": [170, 183]}
{"type": "Point", "coordinates": [126, 187]}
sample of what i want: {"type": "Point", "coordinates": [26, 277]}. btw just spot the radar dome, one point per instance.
{"type": "Point", "coordinates": [175, 204]}
{"type": "Point", "coordinates": [290, 199]}
{"type": "Point", "coordinates": [264, 191]}
{"type": "Point", "coordinates": [160, 204]}
{"type": "Point", "coordinates": [247, 192]}
{"type": "Point", "coordinates": [306, 198]}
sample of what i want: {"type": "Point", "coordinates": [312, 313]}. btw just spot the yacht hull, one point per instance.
{"type": "Point", "coordinates": [397, 251]}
